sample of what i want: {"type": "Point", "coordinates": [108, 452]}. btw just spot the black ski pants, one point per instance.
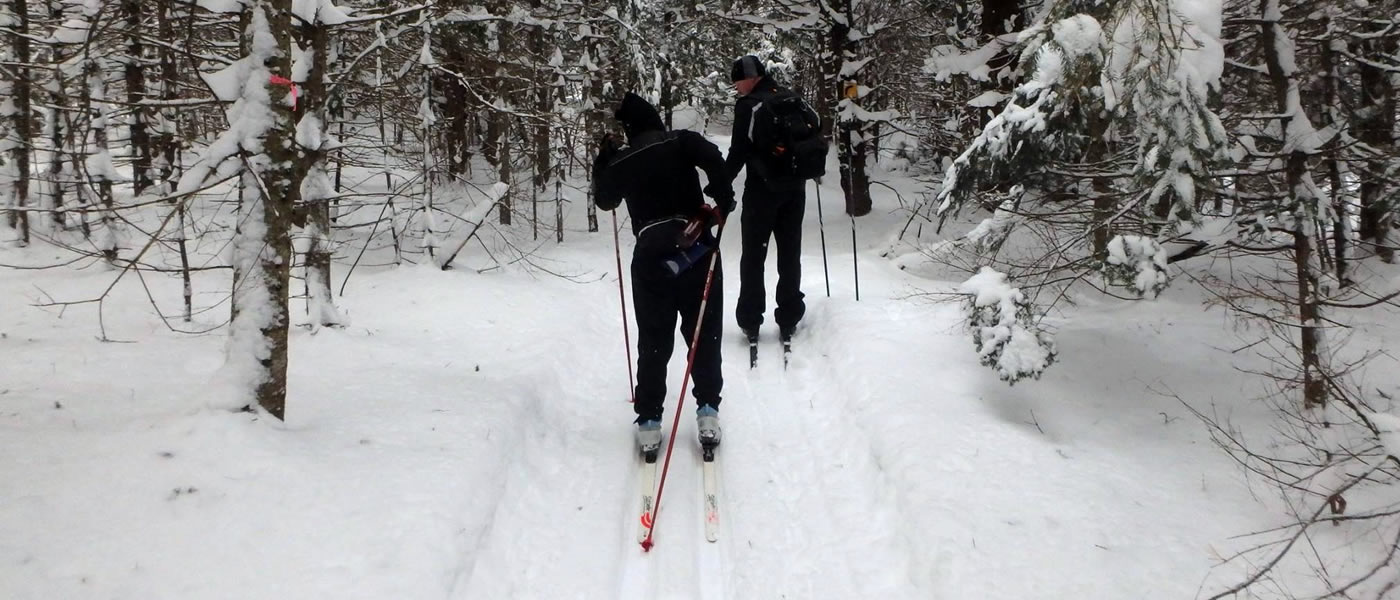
{"type": "Point", "coordinates": [777, 215]}
{"type": "Point", "coordinates": [658, 301]}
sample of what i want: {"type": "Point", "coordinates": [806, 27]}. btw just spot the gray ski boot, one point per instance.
{"type": "Point", "coordinates": [649, 439]}
{"type": "Point", "coordinates": [707, 423]}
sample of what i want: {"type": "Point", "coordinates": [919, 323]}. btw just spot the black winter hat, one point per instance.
{"type": "Point", "coordinates": [748, 66]}
{"type": "Point", "coordinates": [638, 115]}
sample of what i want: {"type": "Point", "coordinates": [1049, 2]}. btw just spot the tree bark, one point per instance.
{"type": "Point", "coordinates": [135, 93]}
{"type": "Point", "coordinates": [1375, 127]}
{"type": "Point", "coordinates": [851, 137]}
{"type": "Point", "coordinates": [22, 121]}
{"type": "Point", "coordinates": [311, 171]}
{"type": "Point", "coordinates": [1304, 211]}
{"type": "Point", "coordinates": [264, 246]}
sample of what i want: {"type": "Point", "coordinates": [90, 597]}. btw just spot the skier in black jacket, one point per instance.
{"type": "Point", "coordinates": [655, 175]}
{"type": "Point", "coordinates": [773, 209]}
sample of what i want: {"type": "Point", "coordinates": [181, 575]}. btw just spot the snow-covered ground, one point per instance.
{"type": "Point", "coordinates": [469, 436]}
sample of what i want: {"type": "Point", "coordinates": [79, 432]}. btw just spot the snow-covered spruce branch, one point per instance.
{"type": "Point", "coordinates": [1004, 328]}
{"type": "Point", "coordinates": [1017, 141]}
{"type": "Point", "coordinates": [1138, 263]}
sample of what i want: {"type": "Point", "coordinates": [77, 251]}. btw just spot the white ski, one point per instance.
{"type": "Point", "coordinates": [711, 497]}
{"type": "Point", "coordinates": [648, 488]}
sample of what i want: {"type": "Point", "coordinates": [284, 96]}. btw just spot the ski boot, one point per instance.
{"type": "Point", "coordinates": [649, 439]}
{"type": "Point", "coordinates": [707, 423]}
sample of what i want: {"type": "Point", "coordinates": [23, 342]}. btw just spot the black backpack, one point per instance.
{"type": "Point", "coordinates": [787, 138]}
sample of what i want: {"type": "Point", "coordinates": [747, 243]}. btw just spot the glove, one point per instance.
{"type": "Point", "coordinates": [725, 208]}
{"type": "Point", "coordinates": [723, 195]}
{"type": "Point", "coordinates": [608, 147]}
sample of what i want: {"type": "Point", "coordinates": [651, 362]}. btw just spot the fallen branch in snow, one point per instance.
{"type": "Point", "coordinates": [447, 263]}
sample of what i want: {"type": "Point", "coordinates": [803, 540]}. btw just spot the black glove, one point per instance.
{"type": "Point", "coordinates": [607, 148]}
{"type": "Point", "coordinates": [726, 207]}
{"type": "Point", "coordinates": [723, 195]}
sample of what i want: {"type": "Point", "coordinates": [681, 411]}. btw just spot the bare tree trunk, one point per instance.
{"type": "Point", "coordinates": [543, 101]}
{"type": "Point", "coordinates": [381, 121]}
{"type": "Point", "coordinates": [597, 119]}
{"type": "Point", "coordinates": [311, 170]}
{"type": "Point", "coordinates": [851, 137]}
{"type": "Point", "coordinates": [830, 87]}
{"type": "Point", "coordinates": [282, 191]}
{"type": "Point", "coordinates": [455, 138]}
{"type": "Point", "coordinates": [1375, 127]}
{"type": "Point", "coordinates": [23, 117]}
{"type": "Point", "coordinates": [1341, 228]}
{"type": "Point", "coordinates": [428, 119]}
{"type": "Point", "coordinates": [57, 134]}
{"type": "Point", "coordinates": [94, 102]}
{"type": "Point", "coordinates": [135, 93]}
{"type": "Point", "coordinates": [1304, 212]}
{"type": "Point", "coordinates": [165, 143]}
{"type": "Point", "coordinates": [263, 246]}
{"type": "Point", "coordinates": [505, 169]}
{"type": "Point", "coordinates": [1103, 198]}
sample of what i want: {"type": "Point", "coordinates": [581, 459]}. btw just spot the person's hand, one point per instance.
{"type": "Point", "coordinates": [723, 195]}
{"type": "Point", "coordinates": [726, 207]}
{"type": "Point", "coordinates": [607, 150]}
{"type": "Point", "coordinates": [609, 144]}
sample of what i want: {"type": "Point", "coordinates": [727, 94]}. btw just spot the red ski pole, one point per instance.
{"type": "Point", "coordinates": [689, 362]}
{"type": "Point", "coordinates": [626, 329]}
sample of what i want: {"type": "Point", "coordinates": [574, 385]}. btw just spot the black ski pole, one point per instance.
{"type": "Point", "coordinates": [821, 226]}
{"type": "Point", "coordinates": [855, 264]}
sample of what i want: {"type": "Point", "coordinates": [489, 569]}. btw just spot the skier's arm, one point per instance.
{"type": "Point", "coordinates": [705, 154]}
{"type": "Point", "coordinates": [740, 146]}
{"type": "Point", "coordinates": [607, 192]}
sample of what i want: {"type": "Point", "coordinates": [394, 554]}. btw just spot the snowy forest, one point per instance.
{"type": "Point", "coordinates": [1114, 279]}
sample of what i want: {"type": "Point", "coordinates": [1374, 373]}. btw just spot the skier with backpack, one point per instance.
{"type": "Point", "coordinates": [777, 137]}
{"type": "Point", "coordinates": [656, 175]}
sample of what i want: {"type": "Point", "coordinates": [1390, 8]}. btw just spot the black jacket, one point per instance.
{"type": "Point", "coordinates": [741, 148]}
{"type": "Point", "coordinates": [655, 173]}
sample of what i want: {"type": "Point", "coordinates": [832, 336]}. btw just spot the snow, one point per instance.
{"type": "Point", "coordinates": [310, 132]}
{"type": "Point", "coordinates": [99, 166]}
{"type": "Point", "coordinates": [72, 31]}
{"type": "Point", "coordinates": [221, 6]}
{"type": "Point", "coordinates": [948, 60]}
{"type": "Point", "coordinates": [227, 83]}
{"type": "Point", "coordinates": [469, 437]}
{"type": "Point", "coordinates": [1389, 426]}
{"type": "Point", "coordinates": [988, 99]}
{"type": "Point", "coordinates": [319, 11]}
{"type": "Point", "coordinates": [1077, 35]}
{"type": "Point", "coordinates": [1002, 330]}
{"type": "Point", "coordinates": [1139, 262]}
{"type": "Point", "coordinates": [1202, 50]}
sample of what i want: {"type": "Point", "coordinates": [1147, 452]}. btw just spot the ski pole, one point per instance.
{"type": "Point", "coordinates": [680, 403]}
{"type": "Point", "coordinates": [626, 331]}
{"type": "Point", "coordinates": [821, 226]}
{"type": "Point", "coordinates": [855, 264]}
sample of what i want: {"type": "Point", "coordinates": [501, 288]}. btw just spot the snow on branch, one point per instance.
{"type": "Point", "coordinates": [1018, 140]}
{"type": "Point", "coordinates": [1137, 262]}
{"type": "Point", "coordinates": [947, 60]}
{"type": "Point", "coordinates": [1003, 328]}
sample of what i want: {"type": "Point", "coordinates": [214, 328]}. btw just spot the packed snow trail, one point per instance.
{"type": "Point", "coordinates": [469, 436]}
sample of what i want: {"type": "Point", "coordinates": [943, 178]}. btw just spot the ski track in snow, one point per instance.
{"type": "Point", "coordinates": [883, 463]}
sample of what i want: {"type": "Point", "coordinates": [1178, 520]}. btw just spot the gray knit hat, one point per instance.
{"type": "Point", "coordinates": [747, 67]}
